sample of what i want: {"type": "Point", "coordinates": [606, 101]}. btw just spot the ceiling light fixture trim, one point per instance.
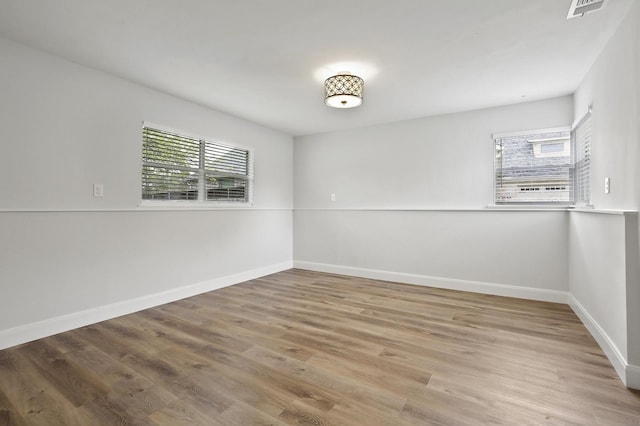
{"type": "Point", "coordinates": [343, 90]}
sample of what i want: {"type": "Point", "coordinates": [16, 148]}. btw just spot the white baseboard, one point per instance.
{"type": "Point", "coordinates": [633, 376]}
{"type": "Point", "coordinates": [629, 374]}
{"type": "Point", "coordinates": [448, 283]}
{"type": "Point", "coordinates": [37, 330]}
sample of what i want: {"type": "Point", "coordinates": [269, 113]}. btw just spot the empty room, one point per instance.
{"type": "Point", "coordinates": [286, 212]}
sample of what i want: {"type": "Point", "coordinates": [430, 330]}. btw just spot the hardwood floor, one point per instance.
{"type": "Point", "coordinates": [307, 348]}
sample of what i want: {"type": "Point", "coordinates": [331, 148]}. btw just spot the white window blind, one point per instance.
{"type": "Point", "coordinates": [533, 167]}
{"type": "Point", "coordinates": [581, 135]}
{"type": "Point", "coordinates": [177, 167]}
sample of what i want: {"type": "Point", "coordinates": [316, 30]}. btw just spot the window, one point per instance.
{"type": "Point", "coordinates": [183, 168]}
{"type": "Point", "coordinates": [581, 136]}
{"type": "Point", "coordinates": [534, 167]}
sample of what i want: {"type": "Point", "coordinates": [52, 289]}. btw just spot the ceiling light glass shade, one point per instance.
{"type": "Point", "coordinates": [343, 91]}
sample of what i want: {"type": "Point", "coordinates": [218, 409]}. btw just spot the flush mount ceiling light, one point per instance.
{"type": "Point", "coordinates": [343, 91]}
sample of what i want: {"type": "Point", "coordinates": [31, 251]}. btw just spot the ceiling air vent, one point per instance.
{"type": "Point", "coordinates": [580, 7]}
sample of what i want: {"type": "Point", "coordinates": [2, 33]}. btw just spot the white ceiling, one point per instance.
{"type": "Point", "coordinates": [265, 60]}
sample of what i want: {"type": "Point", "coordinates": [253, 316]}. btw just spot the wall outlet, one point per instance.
{"type": "Point", "coordinates": [607, 185]}
{"type": "Point", "coordinates": [98, 190]}
{"type": "Point", "coordinates": [333, 197]}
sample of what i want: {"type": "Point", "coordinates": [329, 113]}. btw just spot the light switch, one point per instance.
{"type": "Point", "coordinates": [333, 197]}
{"type": "Point", "coordinates": [98, 190]}
{"type": "Point", "coordinates": [607, 185]}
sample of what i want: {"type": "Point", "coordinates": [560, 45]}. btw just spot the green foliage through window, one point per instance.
{"type": "Point", "coordinates": [177, 167]}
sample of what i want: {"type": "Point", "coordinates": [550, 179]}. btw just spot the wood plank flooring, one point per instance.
{"type": "Point", "coordinates": [307, 348]}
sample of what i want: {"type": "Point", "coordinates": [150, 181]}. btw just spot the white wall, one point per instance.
{"type": "Point", "coordinates": [65, 254]}
{"type": "Point", "coordinates": [65, 127]}
{"type": "Point", "coordinates": [632, 267]}
{"type": "Point", "coordinates": [611, 87]}
{"type": "Point", "coordinates": [435, 162]}
{"type": "Point", "coordinates": [633, 292]}
{"type": "Point", "coordinates": [604, 260]}
{"type": "Point", "coordinates": [411, 198]}
{"type": "Point", "coordinates": [520, 254]}
{"type": "Point", "coordinates": [597, 272]}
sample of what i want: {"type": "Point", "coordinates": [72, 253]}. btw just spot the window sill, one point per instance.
{"type": "Point", "coordinates": [533, 207]}
{"type": "Point", "coordinates": [585, 209]}
{"type": "Point", "coordinates": [182, 205]}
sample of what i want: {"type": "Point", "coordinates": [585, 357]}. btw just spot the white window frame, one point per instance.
{"type": "Point", "coordinates": [201, 203]}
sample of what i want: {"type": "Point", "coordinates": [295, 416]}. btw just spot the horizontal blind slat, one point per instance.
{"type": "Point", "coordinates": [582, 137]}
